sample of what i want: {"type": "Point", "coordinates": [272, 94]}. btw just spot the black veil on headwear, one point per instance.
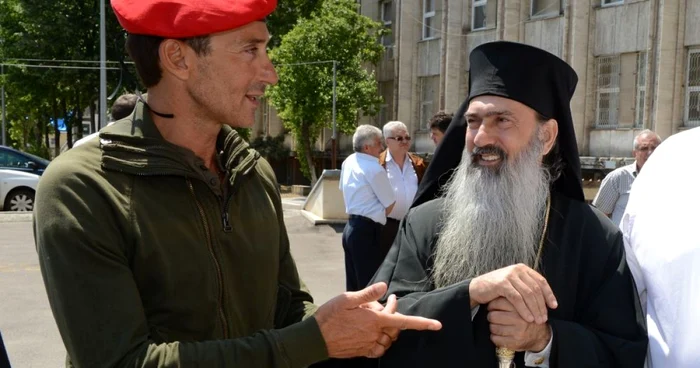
{"type": "Point", "coordinates": [526, 74]}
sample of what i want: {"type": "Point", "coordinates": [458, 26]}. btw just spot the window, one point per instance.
{"type": "Point", "coordinates": [383, 116]}
{"type": "Point", "coordinates": [545, 8]}
{"type": "Point", "coordinates": [692, 98]}
{"type": "Point", "coordinates": [429, 30]}
{"type": "Point", "coordinates": [611, 2]}
{"type": "Point", "coordinates": [608, 94]}
{"type": "Point", "coordinates": [429, 87]}
{"type": "Point", "coordinates": [641, 89]}
{"type": "Point", "coordinates": [11, 160]}
{"type": "Point", "coordinates": [387, 14]}
{"type": "Point", "coordinates": [483, 14]}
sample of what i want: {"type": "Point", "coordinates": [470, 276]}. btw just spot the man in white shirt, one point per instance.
{"type": "Point", "coordinates": [614, 191]}
{"type": "Point", "coordinates": [662, 244]}
{"type": "Point", "coordinates": [405, 170]}
{"type": "Point", "coordinates": [368, 199]}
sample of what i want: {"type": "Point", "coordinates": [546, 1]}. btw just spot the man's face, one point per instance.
{"type": "Point", "coordinates": [227, 84]}
{"type": "Point", "coordinates": [436, 135]}
{"type": "Point", "coordinates": [399, 142]}
{"type": "Point", "coordinates": [499, 129]}
{"type": "Point", "coordinates": [646, 144]}
{"type": "Point", "coordinates": [374, 149]}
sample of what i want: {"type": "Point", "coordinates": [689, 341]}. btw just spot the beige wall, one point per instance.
{"type": "Point", "coordinates": [665, 29]}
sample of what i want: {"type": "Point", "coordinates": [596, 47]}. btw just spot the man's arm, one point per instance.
{"type": "Point", "coordinates": [611, 329]}
{"type": "Point", "coordinates": [382, 189]}
{"type": "Point", "coordinates": [81, 244]}
{"type": "Point", "coordinates": [608, 194]}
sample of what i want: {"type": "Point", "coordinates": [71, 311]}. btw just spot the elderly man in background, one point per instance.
{"type": "Point", "coordinates": [438, 125]}
{"type": "Point", "coordinates": [615, 189]}
{"type": "Point", "coordinates": [369, 198]}
{"type": "Point", "coordinates": [405, 170]}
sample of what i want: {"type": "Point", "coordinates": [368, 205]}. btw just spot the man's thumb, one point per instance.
{"type": "Point", "coordinates": [366, 295]}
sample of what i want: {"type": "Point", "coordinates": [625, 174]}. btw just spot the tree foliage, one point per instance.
{"type": "Point", "coordinates": [304, 96]}
{"type": "Point", "coordinates": [53, 30]}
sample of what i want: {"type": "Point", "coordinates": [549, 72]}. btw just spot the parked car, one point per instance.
{"type": "Point", "coordinates": [17, 190]}
{"type": "Point", "coordinates": [12, 159]}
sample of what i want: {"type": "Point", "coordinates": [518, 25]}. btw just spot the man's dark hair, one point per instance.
{"type": "Point", "coordinates": [123, 106]}
{"type": "Point", "coordinates": [441, 121]}
{"type": "Point", "coordinates": [143, 50]}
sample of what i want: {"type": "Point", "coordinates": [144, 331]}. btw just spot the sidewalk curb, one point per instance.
{"type": "Point", "coordinates": [6, 217]}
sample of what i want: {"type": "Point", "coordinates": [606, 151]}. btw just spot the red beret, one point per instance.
{"type": "Point", "coordinates": [188, 18]}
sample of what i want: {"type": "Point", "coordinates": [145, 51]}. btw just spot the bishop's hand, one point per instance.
{"type": "Point", "coordinates": [510, 331]}
{"type": "Point", "coordinates": [523, 287]}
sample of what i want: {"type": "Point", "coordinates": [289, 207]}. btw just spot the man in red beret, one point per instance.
{"type": "Point", "coordinates": [162, 241]}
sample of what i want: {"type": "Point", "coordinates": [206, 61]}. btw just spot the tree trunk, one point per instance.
{"type": "Point", "coordinates": [69, 124]}
{"type": "Point", "coordinates": [78, 114]}
{"type": "Point", "coordinates": [93, 123]}
{"type": "Point", "coordinates": [39, 132]}
{"type": "Point", "coordinates": [56, 131]}
{"type": "Point", "coordinates": [45, 131]}
{"type": "Point", "coordinates": [306, 141]}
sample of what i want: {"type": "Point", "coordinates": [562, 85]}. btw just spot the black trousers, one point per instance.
{"type": "Point", "coordinates": [389, 232]}
{"type": "Point", "coordinates": [361, 238]}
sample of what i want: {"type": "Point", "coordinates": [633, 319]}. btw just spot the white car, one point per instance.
{"type": "Point", "coordinates": [17, 190]}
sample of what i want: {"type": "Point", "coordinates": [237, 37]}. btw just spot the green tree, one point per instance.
{"type": "Point", "coordinates": [285, 16]}
{"type": "Point", "coordinates": [55, 30]}
{"type": "Point", "coordinates": [304, 96]}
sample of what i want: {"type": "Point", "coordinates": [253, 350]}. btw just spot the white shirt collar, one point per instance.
{"type": "Point", "coordinates": [365, 156]}
{"type": "Point", "coordinates": [390, 158]}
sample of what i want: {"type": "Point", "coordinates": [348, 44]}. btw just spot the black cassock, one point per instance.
{"type": "Point", "coordinates": [598, 322]}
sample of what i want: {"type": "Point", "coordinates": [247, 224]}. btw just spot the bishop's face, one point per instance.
{"type": "Point", "coordinates": [500, 129]}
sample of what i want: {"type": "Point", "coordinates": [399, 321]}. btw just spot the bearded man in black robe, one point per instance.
{"type": "Point", "coordinates": [509, 254]}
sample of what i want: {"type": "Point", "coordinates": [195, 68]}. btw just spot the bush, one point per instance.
{"type": "Point", "coordinates": [272, 148]}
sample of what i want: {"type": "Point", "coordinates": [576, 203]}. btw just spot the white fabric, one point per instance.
{"type": "Point", "coordinates": [365, 186]}
{"type": "Point", "coordinates": [540, 359]}
{"type": "Point", "coordinates": [662, 244]}
{"type": "Point", "coordinates": [531, 359]}
{"type": "Point", "coordinates": [404, 183]}
{"type": "Point", "coordinates": [614, 192]}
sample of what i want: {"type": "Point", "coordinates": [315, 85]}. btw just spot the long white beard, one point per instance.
{"type": "Point", "coordinates": [492, 218]}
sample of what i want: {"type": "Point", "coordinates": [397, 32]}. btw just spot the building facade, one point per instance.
{"type": "Point", "coordinates": [638, 63]}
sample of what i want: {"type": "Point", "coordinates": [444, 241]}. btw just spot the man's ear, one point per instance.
{"type": "Point", "coordinates": [175, 58]}
{"type": "Point", "coordinates": [548, 135]}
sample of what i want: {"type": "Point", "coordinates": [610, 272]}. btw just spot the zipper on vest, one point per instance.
{"type": "Point", "coordinates": [225, 222]}
{"type": "Point", "coordinates": [219, 274]}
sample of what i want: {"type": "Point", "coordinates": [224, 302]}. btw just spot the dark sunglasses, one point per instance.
{"type": "Point", "coordinates": [401, 139]}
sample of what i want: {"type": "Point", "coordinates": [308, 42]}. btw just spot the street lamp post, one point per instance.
{"type": "Point", "coordinates": [103, 68]}
{"type": "Point", "coordinates": [334, 142]}
{"type": "Point", "coordinates": [2, 103]}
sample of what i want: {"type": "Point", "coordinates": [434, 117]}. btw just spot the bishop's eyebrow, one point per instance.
{"type": "Point", "coordinates": [488, 114]}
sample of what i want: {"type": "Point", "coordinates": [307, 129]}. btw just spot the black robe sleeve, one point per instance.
{"type": "Point", "coordinates": [608, 327]}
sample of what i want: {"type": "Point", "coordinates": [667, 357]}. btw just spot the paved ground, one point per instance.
{"type": "Point", "coordinates": [26, 322]}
